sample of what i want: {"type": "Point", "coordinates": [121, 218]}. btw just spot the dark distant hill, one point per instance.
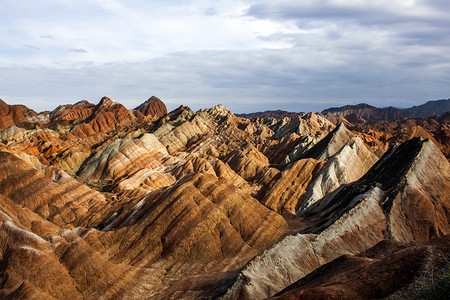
{"type": "Point", "coordinates": [366, 111]}
{"type": "Point", "coordinates": [429, 109]}
{"type": "Point", "coordinates": [270, 113]}
{"type": "Point", "coordinates": [372, 113]}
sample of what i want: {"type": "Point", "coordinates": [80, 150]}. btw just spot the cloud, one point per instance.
{"type": "Point", "coordinates": [210, 11]}
{"type": "Point", "coordinates": [32, 47]}
{"type": "Point", "coordinates": [77, 50]}
{"type": "Point", "coordinates": [362, 12]}
{"type": "Point", "coordinates": [241, 80]}
{"type": "Point", "coordinates": [248, 55]}
{"type": "Point", "coordinates": [393, 18]}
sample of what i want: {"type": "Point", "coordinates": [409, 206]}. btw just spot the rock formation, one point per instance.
{"type": "Point", "coordinates": [381, 135]}
{"type": "Point", "coordinates": [98, 201]}
{"type": "Point", "coordinates": [152, 107]}
{"type": "Point", "coordinates": [363, 276]}
{"type": "Point", "coordinates": [14, 114]}
{"type": "Point", "coordinates": [397, 199]}
{"type": "Point", "coordinates": [78, 111]}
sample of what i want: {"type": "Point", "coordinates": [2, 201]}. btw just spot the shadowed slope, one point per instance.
{"type": "Point", "coordinates": [376, 273]}
{"type": "Point", "coordinates": [411, 205]}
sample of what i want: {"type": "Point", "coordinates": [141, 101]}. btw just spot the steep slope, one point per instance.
{"type": "Point", "coordinates": [57, 197]}
{"type": "Point", "coordinates": [357, 216]}
{"type": "Point", "coordinates": [153, 107]}
{"type": "Point", "coordinates": [308, 180]}
{"type": "Point", "coordinates": [108, 115]}
{"type": "Point", "coordinates": [172, 193]}
{"type": "Point", "coordinates": [381, 135]}
{"type": "Point", "coordinates": [14, 114]}
{"type": "Point", "coordinates": [199, 204]}
{"type": "Point", "coordinates": [283, 194]}
{"type": "Point", "coordinates": [363, 276]}
{"type": "Point", "coordinates": [39, 260]}
{"type": "Point", "coordinates": [329, 145]}
{"type": "Point", "coordinates": [289, 137]}
{"type": "Point", "coordinates": [351, 162]}
{"type": "Point", "coordinates": [78, 111]}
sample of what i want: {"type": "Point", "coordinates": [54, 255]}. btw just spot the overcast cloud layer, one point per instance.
{"type": "Point", "coordinates": [248, 55]}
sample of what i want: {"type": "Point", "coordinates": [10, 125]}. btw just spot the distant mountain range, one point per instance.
{"type": "Point", "coordinates": [365, 112]}
{"type": "Point", "coordinates": [372, 113]}
{"type": "Point", "coordinates": [270, 113]}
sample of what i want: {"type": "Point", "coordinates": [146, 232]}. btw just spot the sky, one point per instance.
{"type": "Point", "coordinates": [304, 55]}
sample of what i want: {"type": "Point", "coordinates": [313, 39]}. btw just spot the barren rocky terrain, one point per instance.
{"type": "Point", "coordinates": [98, 201]}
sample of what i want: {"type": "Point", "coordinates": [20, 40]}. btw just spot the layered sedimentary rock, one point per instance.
{"type": "Point", "coordinates": [289, 137]}
{"type": "Point", "coordinates": [138, 204]}
{"type": "Point", "coordinates": [328, 146]}
{"type": "Point", "coordinates": [363, 276]}
{"type": "Point", "coordinates": [396, 199]}
{"type": "Point", "coordinates": [383, 134]}
{"type": "Point", "coordinates": [339, 158]}
{"type": "Point", "coordinates": [14, 114]}
{"type": "Point", "coordinates": [108, 115]}
{"type": "Point", "coordinates": [56, 197]}
{"type": "Point", "coordinates": [348, 164]}
{"type": "Point", "coordinates": [153, 107]}
{"type": "Point", "coordinates": [78, 111]}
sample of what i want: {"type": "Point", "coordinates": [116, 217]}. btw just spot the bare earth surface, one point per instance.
{"type": "Point", "coordinates": [101, 202]}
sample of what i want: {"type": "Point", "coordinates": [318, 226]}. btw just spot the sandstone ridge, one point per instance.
{"type": "Point", "coordinates": [99, 201]}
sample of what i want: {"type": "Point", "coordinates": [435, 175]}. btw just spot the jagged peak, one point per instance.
{"type": "Point", "coordinates": [310, 115]}
{"type": "Point", "coordinates": [84, 103]}
{"type": "Point", "coordinates": [59, 111]}
{"type": "Point", "coordinates": [105, 102]}
{"type": "Point", "coordinates": [316, 118]}
{"type": "Point", "coordinates": [219, 110]}
{"type": "Point", "coordinates": [181, 108]}
{"type": "Point", "coordinates": [396, 162]}
{"type": "Point", "coordinates": [340, 128]}
{"type": "Point", "coordinates": [182, 112]}
{"type": "Point", "coordinates": [330, 144]}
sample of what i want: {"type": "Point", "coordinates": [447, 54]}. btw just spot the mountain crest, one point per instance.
{"type": "Point", "coordinates": [120, 204]}
{"type": "Point", "coordinates": [219, 110]}
{"type": "Point", "coordinates": [105, 102]}
{"type": "Point", "coordinates": [152, 107]}
{"type": "Point", "coordinates": [330, 144]}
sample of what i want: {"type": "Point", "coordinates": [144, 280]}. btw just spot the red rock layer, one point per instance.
{"type": "Point", "coordinates": [383, 134]}
{"type": "Point", "coordinates": [152, 107]}
{"type": "Point", "coordinates": [78, 111]}
{"type": "Point", "coordinates": [14, 114]}
{"type": "Point", "coordinates": [198, 204]}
